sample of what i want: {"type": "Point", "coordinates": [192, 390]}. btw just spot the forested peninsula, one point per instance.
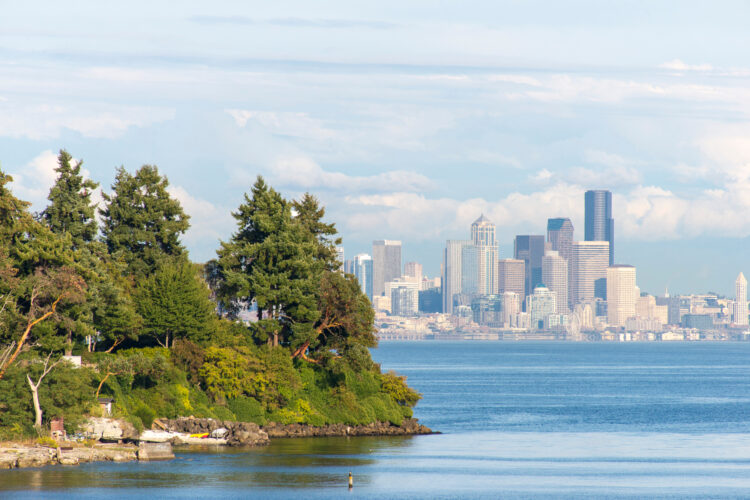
{"type": "Point", "coordinates": [162, 336]}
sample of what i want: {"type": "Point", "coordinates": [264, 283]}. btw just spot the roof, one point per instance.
{"type": "Point", "coordinates": [557, 223]}
{"type": "Point", "coordinates": [481, 220]}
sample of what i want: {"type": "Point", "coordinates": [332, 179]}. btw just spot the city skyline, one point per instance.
{"type": "Point", "coordinates": [514, 114]}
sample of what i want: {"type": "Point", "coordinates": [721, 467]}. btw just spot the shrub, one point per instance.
{"type": "Point", "coordinates": [247, 410]}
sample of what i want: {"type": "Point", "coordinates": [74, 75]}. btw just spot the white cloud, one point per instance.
{"type": "Point", "coordinates": [284, 123]}
{"type": "Point", "coordinates": [33, 181]}
{"type": "Point", "coordinates": [678, 65]}
{"type": "Point", "coordinates": [304, 173]}
{"type": "Point", "coordinates": [46, 121]}
{"type": "Point", "coordinates": [541, 176]}
{"type": "Point", "coordinates": [208, 222]}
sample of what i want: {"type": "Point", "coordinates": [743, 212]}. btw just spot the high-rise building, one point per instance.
{"type": "Point", "coordinates": [589, 261]}
{"type": "Point", "coordinates": [363, 272]}
{"type": "Point", "coordinates": [470, 262]}
{"type": "Point", "coordinates": [539, 305]}
{"type": "Point", "coordinates": [404, 297]}
{"type": "Point", "coordinates": [621, 294]}
{"type": "Point", "coordinates": [413, 270]}
{"type": "Point", "coordinates": [511, 276]}
{"type": "Point", "coordinates": [386, 264]}
{"type": "Point", "coordinates": [483, 237]}
{"type": "Point", "coordinates": [451, 279]}
{"type": "Point", "coordinates": [600, 226]}
{"type": "Point", "coordinates": [349, 266]}
{"type": "Point", "coordinates": [560, 236]}
{"type": "Point", "coordinates": [740, 304]}
{"type": "Point", "coordinates": [340, 257]}
{"type": "Point", "coordinates": [555, 277]}
{"type": "Point", "coordinates": [530, 249]}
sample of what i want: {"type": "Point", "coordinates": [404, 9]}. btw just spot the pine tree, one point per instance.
{"type": "Point", "coordinates": [175, 302]}
{"type": "Point", "coordinates": [142, 220]}
{"type": "Point", "coordinates": [270, 260]}
{"type": "Point", "coordinates": [70, 209]}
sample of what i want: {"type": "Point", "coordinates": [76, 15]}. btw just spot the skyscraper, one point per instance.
{"type": "Point", "coordinates": [386, 263]}
{"type": "Point", "coordinates": [470, 262]}
{"type": "Point", "coordinates": [555, 277]}
{"type": "Point", "coordinates": [560, 236]}
{"type": "Point", "coordinates": [621, 294]}
{"type": "Point", "coordinates": [511, 276]}
{"type": "Point", "coordinates": [451, 279]}
{"type": "Point", "coordinates": [740, 304]}
{"type": "Point", "coordinates": [589, 260]}
{"type": "Point", "coordinates": [340, 257]}
{"type": "Point", "coordinates": [530, 249]}
{"type": "Point", "coordinates": [363, 272]}
{"type": "Point", "coordinates": [413, 270]}
{"type": "Point", "coordinates": [600, 226]}
{"type": "Point", "coordinates": [483, 237]}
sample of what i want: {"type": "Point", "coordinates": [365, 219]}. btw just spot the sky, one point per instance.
{"type": "Point", "coordinates": [406, 119]}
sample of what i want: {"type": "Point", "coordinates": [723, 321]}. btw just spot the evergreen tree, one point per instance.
{"type": "Point", "coordinates": [142, 220]}
{"type": "Point", "coordinates": [70, 209]}
{"type": "Point", "coordinates": [271, 260]}
{"type": "Point", "coordinates": [309, 214]}
{"type": "Point", "coordinates": [175, 302]}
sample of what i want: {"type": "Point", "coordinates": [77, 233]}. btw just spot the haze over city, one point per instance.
{"type": "Point", "coordinates": [408, 122]}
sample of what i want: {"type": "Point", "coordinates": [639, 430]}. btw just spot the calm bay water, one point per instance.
{"type": "Point", "coordinates": [519, 420]}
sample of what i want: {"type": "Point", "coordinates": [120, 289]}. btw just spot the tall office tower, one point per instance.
{"type": "Point", "coordinates": [349, 266]}
{"type": "Point", "coordinates": [451, 279]}
{"type": "Point", "coordinates": [539, 305]}
{"type": "Point", "coordinates": [530, 249]}
{"type": "Point", "coordinates": [340, 257]}
{"type": "Point", "coordinates": [589, 260]}
{"type": "Point", "coordinates": [413, 270]}
{"type": "Point", "coordinates": [386, 263]}
{"type": "Point", "coordinates": [363, 272]}
{"type": "Point", "coordinates": [560, 236]}
{"type": "Point", "coordinates": [511, 276]}
{"type": "Point", "coordinates": [740, 304]}
{"type": "Point", "coordinates": [555, 277]}
{"type": "Point", "coordinates": [600, 226]}
{"type": "Point", "coordinates": [621, 294]}
{"type": "Point", "coordinates": [483, 237]}
{"type": "Point", "coordinates": [470, 277]}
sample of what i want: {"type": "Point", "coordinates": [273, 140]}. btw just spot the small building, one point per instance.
{"type": "Point", "coordinates": [106, 405]}
{"type": "Point", "coordinates": [57, 428]}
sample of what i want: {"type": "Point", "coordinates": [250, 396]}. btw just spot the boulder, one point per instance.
{"type": "Point", "coordinates": [155, 451]}
{"type": "Point", "coordinates": [109, 429]}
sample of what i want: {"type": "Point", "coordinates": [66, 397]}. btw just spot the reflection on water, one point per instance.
{"type": "Point", "coordinates": [520, 420]}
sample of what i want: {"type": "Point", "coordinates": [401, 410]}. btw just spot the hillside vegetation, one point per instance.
{"type": "Point", "coordinates": [162, 335]}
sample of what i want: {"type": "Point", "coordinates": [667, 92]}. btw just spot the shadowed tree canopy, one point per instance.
{"type": "Point", "coordinates": [142, 221]}
{"type": "Point", "coordinates": [175, 302]}
{"type": "Point", "coordinates": [70, 209]}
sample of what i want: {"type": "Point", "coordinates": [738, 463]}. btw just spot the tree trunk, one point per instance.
{"type": "Point", "coordinates": [35, 398]}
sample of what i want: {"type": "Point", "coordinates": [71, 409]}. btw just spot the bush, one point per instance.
{"type": "Point", "coordinates": [146, 415]}
{"type": "Point", "coordinates": [247, 410]}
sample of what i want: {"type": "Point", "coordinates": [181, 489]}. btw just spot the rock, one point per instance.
{"type": "Point", "coordinates": [155, 451]}
{"type": "Point", "coordinates": [8, 460]}
{"type": "Point", "coordinates": [66, 459]}
{"type": "Point", "coordinates": [109, 429]}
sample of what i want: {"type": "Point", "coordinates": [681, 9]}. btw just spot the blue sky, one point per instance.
{"type": "Point", "coordinates": [407, 119]}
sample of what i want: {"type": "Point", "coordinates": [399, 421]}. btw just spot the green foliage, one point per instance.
{"type": "Point", "coordinates": [306, 359]}
{"type": "Point", "coordinates": [71, 210]}
{"type": "Point", "coordinates": [142, 221]}
{"type": "Point", "coordinates": [395, 386]}
{"type": "Point", "coordinates": [247, 409]}
{"type": "Point", "coordinates": [174, 302]}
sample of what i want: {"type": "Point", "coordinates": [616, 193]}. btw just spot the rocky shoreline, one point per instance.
{"type": "Point", "coordinates": [19, 455]}
{"type": "Point", "coordinates": [157, 444]}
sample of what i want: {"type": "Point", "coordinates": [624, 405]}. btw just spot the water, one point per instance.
{"type": "Point", "coordinates": [519, 420]}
